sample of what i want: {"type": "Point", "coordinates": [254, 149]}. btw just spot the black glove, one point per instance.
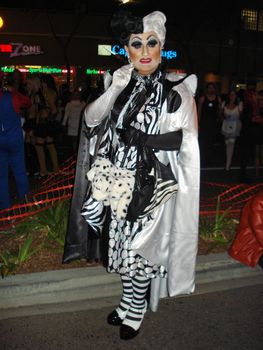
{"type": "Point", "coordinates": [167, 142]}
{"type": "Point", "coordinates": [170, 141]}
{"type": "Point", "coordinates": [132, 137]}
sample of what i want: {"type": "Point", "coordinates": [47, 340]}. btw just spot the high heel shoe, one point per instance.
{"type": "Point", "coordinates": [127, 332]}
{"type": "Point", "coordinates": [114, 319]}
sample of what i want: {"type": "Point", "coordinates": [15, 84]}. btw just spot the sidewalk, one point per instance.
{"type": "Point", "coordinates": [91, 288]}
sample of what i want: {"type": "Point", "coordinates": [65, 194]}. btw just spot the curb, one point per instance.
{"type": "Point", "coordinates": [78, 285]}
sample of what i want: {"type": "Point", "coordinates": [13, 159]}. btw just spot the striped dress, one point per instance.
{"type": "Point", "coordinates": [121, 258]}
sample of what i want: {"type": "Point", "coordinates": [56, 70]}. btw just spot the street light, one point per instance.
{"type": "Point", "coordinates": [1, 22]}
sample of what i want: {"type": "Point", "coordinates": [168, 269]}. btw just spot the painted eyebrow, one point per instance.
{"type": "Point", "coordinates": [138, 38]}
{"type": "Point", "coordinates": [152, 35]}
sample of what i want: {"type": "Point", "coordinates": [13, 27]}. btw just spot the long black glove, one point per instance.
{"type": "Point", "coordinates": [170, 141]}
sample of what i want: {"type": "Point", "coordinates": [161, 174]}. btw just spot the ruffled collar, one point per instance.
{"type": "Point", "coordinates": [139, 87]}
{"type": "Point", "coordinates": [147, 80]}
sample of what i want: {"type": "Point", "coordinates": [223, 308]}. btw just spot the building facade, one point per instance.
{"type": "Point", "coordinates": [223, 44]}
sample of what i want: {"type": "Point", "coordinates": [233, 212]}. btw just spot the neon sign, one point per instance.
{"type": "Point", "coordinates": [6, 48]}
{"type": "Point", "coordinates": [118, 50]}
{"type": "Point", "coordinates": [35, 69]}
{"type": "Point", "coordinates": [48, 70]}
{"type": "Point", "coordinates": [95, 71]}
{"type": "Point", "coordinates": [169, 54]}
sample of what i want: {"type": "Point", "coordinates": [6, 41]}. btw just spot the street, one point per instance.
{"type": "Point", "coordinates": [229, 320]}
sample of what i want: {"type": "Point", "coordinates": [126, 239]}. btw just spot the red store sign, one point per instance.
{"type": "Point", "coordinates": [6, 48]}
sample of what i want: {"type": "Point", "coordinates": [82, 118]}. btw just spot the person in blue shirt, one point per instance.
{"type": "Point", "coordinates": [12, 141]}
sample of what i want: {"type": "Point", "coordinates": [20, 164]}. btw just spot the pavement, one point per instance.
{"type": "Point", "coordinates": [90, 288]}
{"type": "Point", "coordinates": [226, 320]}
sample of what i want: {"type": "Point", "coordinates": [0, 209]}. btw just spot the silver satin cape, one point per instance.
{"type": "Point", "coordinates": [171, 238]}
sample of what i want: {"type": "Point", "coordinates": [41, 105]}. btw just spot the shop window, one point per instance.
{"type": "Point", "coordinates": [252, 19]}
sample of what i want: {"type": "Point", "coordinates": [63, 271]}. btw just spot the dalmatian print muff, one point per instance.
{"type": "Point", "coordinates": [113, 186]}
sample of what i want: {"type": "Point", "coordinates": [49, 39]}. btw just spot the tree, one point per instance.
{"type": "Point", "coordinates": [79, 14]}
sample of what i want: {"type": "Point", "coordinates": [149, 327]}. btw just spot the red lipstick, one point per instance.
{"type": "Point", "coordinates": [145, 60]}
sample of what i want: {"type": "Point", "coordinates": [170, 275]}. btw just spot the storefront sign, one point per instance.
{"type": "Point", "coordinates": [118, 50]}
{"type": "Point", "coordinates": [104, 50]}
{"type": "Point", "coordinates": [6, 48]}
{"type": "Point", "coordinates": [35, 69]}
{"type": "Point", "coordinates": [20, 49]}
{"type": "Point", "coordinates": [91, 71]}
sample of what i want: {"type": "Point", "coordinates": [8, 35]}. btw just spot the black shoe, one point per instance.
{"type": "Point", "coordinates": [127, 332]}
{"type": "Point", "coordinates": [42, 176]}
{"type": "Point", "coordinates": [114, 319]}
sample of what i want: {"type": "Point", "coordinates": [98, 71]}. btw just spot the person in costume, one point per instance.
{"type": "Point", "coordinates": [144, 108]}
{"type": "Point", "coordinates": [231, 112]}
{"type": "Point", "coordinates": [12, 156]}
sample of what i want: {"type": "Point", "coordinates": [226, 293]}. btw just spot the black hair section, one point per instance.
{"type": "Point", "coordinates": [123, 24]}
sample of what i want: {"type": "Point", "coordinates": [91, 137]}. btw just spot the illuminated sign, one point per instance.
{"type": "Point", "coordinates": [6, 48]}
{"type": "Point", "coordinates": [170, 54]}
{"type": "Point", "coordinates": [104, 50]}
{"type": "Point", "coordinates": [118, 50]}
{"type": "Point", "coordinates": [48, 70]}
{"type": "Point", "coordinates": [35, 69]}
{"type": "Point", "coordinates": [20, 49]}
{"type": "Point", "coordinates": [7, 69]}
{"type": "Point", "coordinates": [95, 71]}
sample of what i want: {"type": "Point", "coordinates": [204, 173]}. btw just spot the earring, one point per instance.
{"type": "Point", "coordinates": [130, 62]}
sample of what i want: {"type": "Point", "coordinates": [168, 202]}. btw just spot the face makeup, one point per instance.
{"type": "Point", "coordinates": [144, 51]}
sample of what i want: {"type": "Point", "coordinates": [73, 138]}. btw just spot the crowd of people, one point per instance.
{"type": "Point", "coordinates": [36, 118]}
{"type": "Point", "coordinates": [233, 119]}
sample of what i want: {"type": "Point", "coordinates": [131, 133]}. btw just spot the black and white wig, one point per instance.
{"type": "Point", "coordinates": [123, 24]}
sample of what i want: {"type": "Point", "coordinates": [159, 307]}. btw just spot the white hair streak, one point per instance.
{"type": "Point", "coordinates": [155, 22]}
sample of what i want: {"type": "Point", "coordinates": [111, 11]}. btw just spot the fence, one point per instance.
{"type": "Point", "coordinates": [59, 186]}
